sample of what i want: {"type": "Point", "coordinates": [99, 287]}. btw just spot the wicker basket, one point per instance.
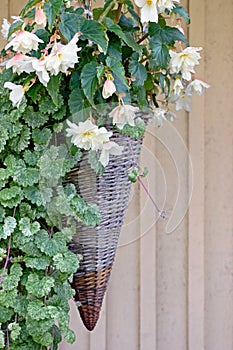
{"type": "Point", "coordinates": [98, 244]}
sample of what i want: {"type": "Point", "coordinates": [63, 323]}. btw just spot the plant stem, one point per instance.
{"type": "Point", "coordinates": [118, 13]}
{"type": "Point", "coordinates": [143, 38]}
{"type": "Point", "coordinates": [7, 337]}
{"type": "Point", "coordinates": [7, 260]}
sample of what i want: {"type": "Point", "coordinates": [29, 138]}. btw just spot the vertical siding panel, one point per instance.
{"type": "Point", "coordinates": [15, 6]}
{"type": "Point", "coordinates": [4, 13]}
{"type": "Point", "coordinates": [218, 163]}
{"type": "Point", "coordinates": [196, 276]}
{"type": "Point", "coordinates": [148, 249]}
{"type": "Point", "coordinates": [172, 248]}
{"type": "Point", "coordinates": [123, 291]}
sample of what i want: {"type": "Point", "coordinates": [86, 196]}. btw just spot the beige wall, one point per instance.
{"type": "Point", "coordinates": [174, 291]}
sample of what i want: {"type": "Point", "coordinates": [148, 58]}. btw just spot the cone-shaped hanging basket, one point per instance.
{"type": "Point", "coordinates": [97, 245]}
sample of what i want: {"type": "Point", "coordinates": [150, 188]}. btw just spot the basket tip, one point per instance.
{"type": "Point", "coordinates": [89, 315]}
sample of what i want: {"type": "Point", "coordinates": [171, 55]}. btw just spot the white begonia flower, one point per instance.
{"type": "Point", "coordinates": [24, 42]}
{"type": "Point", "coordinates": [184, 61]}
{"type": "Point", "coordinates": [5, 28]}
{"type": "Point", "coordinates": [87, 135]}
{"type": "Point", "coordinates": [177, 87]}
{"type": "Point", "coordinates": [17, 93]}
{"type": "Point", "coordinates": [63, 57]}
{"type": "Point", "coordinates": [149, 11]}
{"type": "Point", "coordinates": [183, 102]}
{"type": "Point", "coordinates": [165, 4]}
{"type": "Point", "coordinates": [197, 86]}
{"type": "Point", "coordinates": [109, 88]}
{"type": "Point", "coordinates": [109, 148]}
{"type": "Point", "coordinates": [159, 116]}
{"type": "Point", "coordinates": [124, 114]}
{"type": "Point", "coordinates": [40, 69]}
{"type": "Point", "coordinates": [20, 63]}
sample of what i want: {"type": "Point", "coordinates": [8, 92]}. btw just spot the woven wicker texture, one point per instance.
{"type": "Point", "coordinates": [98, 244]}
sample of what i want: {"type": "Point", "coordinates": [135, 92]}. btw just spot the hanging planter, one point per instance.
{"type": "Point", "coordinates": [71, 69]}
{"type": "Point", "coordinates": [97, 245]}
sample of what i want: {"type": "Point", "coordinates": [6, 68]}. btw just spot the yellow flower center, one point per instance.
{"type": "Point", "coordinates": [149, 2]}
{"type": "Point", "coordinates": [88, 133]}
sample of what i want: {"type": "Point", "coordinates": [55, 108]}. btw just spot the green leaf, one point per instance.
{"type": "Point", "coordinates": [70, 24]}
{"type": "Point", "coordinates": [166, 34]}
{"type": "Point", "coordinates": [137, 70]}
{"type": "Point", "coordinates": [14, 329]}
{"type": "Point", "coordinates": [15, 27]}
{"type": "Point", "coordinates": [160, 52]}
{"type": "Point", "coordinates": [126, 37]}
{"type": "Point", "coordinates": [93, 160]}
{"type": "Point", "coordinates": [66, 262]}
{"type": "Point", "coordinates": [51, 246]}
{"type": "Point", "coordinates": [78, 105]}
{"type": "Point", "coordinates": [11, 197]}
{"type": "Point", "coordinates": [27, 228]}
{"type": "Point", "coordinates": [8, 227]}
{"type": "Point", "coordinates": [52, 9]}
{"type": "Point", "coordinates": [92, 30]}
{"type": "Point", "coordinates": [118, 72]}
{"type": "Point", "coordinates": [53, 87]}
{"type": "Point", "coordinates": [5, 314]}
{"type": "Point", "coordinates": [181, 11]}
{"type": "Point", "coordinates": [39, 287]}
{"type": "Point", "coordinates": [38, 263]}
{"type": "Point", "coordinates": [89, 80]}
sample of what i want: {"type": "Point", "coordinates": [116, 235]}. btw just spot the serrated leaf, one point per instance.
{"type": "Point", "coordinates": [52, 9]}
{"type": "Point", "coordinates": [5, 314]}
{"type": "Point", "coordinates": [66, 262]}
{"type": "Point", "coordinates": [39, 287]}
{"type": "Point", "coordinates": [180, 10]}
{"type": "Point", "coordinates": [78, 105]}
{"type": "Point", "coordinates": [38, 263]}
{"type": "Point", "coordinates": [166, 34]}
{"type": "Point", "coordinates": [53, 87]}
{"type": "Point", "coordinates": [9, 226]}
{"type": "Point", "coordinates": [160, 52]}
{"type": "Point", "coordinates": [93, 160]}
{"type": "Point", "coordinates": [126, 37]}
{"type": "Point", "coordinates": [138, 70]}
{"type": "Point", "coordinates": [89, 80]}
{"type": "Point", "coordinates": [70, 24]}
{"type": "Point", "coordinates": [92, 30]}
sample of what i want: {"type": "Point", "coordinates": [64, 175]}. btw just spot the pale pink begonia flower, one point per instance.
{"type": "Point", "coordinates": [63, 57]}
{"type": "Point", "coordinates": [184, 61]}
{"type": "Point", "coordinates": [124, 114]}
{"type": "Point", "coordinates": [198, 86]}
{"type": "Point", "coordinates": [24, 42]}
{"type": "Point", "coordinates": [20, 63]}
{"type": "Point", "coordinates": [5, 28]}
{"type": "Point", "coordinates": [109, 148]}
{"type": "Point", "coordinates": [109, 88]}
{"type": "Point", "coordinates": [87, 135]}
{"type": "Point", "coordinates": [40, 18]}
{"type": "Point", "coordinates": [149, 10]}
{"type": "Point", "coordinates": [17, 93]}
